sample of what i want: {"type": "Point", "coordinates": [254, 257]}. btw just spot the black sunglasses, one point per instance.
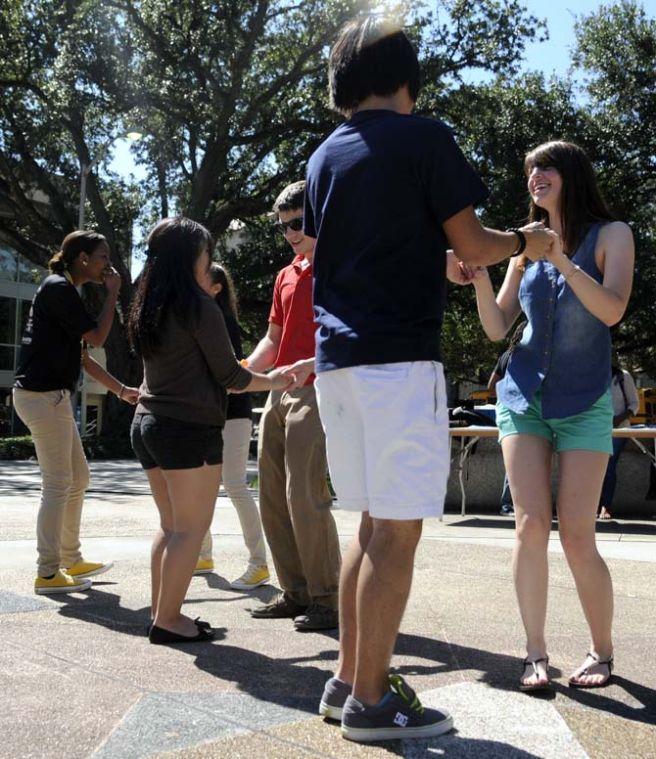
{"type": "Point", "coordinates": [296, 225]}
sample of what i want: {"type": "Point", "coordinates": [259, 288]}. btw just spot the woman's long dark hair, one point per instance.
{"type": "Point", "coordinates": [167, 282]}
{"type": "Point", "coordinates": [581, 202]}
{"type": "Point", "coordinates": [227, 297]}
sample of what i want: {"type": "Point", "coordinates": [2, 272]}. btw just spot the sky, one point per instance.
{"type": "Point", "coordinates": [552, 56]}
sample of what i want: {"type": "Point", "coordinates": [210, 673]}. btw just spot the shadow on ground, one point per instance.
{"type": "Point", "coordinates": [296, 682]}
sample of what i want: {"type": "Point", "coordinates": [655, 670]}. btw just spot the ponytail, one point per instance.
{"type": "Point", "coordinates": [56, 263]}
{"type": "Point", "coordinates": [74, 243]}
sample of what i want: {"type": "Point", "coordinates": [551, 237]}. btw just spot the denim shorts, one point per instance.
{"type": "Point", "coordinates": [160, 441]}
{"type": "Point", "coordinates": [591, 430]}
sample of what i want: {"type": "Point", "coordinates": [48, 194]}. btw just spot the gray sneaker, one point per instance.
{"type": "Point", "coordinates": [399, 715]}
{"type": "Point", "coordinates": [334, 696]}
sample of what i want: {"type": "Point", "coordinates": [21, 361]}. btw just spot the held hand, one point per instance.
{"type": "Point", "coordinates": [112, 281]}
{"type": "Point", "coordinates": [130, 395]}
{"type": "Point", "coordinates": [300, 371]}
{"type": "Point", "coordinates": [556, 250]}
{"type": "Point", "coordinates": [456, 271]}
{"type": "Point", "coordinates": [538, 242]}
{"type": "Point", "coordinates": [282, 378]}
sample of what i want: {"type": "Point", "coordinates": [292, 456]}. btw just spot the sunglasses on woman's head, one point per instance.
{"type": "Point", "coordinates": [296, 225]}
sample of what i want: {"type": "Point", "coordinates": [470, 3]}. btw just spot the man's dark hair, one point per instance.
{"type": "Point", "coordinates": [372, 56]}
{"type": "Point", "coordinates": [291, 198]}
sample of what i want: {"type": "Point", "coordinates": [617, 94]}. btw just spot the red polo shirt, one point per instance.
{"type": "Point", "coordinates": [292, 310]}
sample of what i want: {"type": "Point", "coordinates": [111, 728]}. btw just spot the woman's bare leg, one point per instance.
{"type": "Point", "coordinates": [528, 464]}
{"type": "Point", "coordinates": [192, 493]}
{"type": "Point", "coordinates": [161, 497]}
{"type": "Point", "coordinates": [581, 477]}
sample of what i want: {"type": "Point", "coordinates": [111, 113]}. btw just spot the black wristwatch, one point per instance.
{"type": "Point", "coordinates": [522, 241]}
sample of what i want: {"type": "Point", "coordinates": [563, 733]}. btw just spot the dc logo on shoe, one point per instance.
{"type": "Point", "coordinates": [401, 720]}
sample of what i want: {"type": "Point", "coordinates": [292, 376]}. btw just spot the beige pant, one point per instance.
{"type": "Point", "coordinates": [236, 441]}
{"type": "Point", "coordinates": [295, 501]}
{"type": "Point", "coordinates": [64, 475]}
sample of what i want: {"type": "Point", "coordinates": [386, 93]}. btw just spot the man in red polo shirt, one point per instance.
{"type": "Point", "coordinates": [294, 498]}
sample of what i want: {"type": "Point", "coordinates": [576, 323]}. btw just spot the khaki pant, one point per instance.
{"type": "Point", "coordinates": [64, 475]}
{"type": "Point", "coordinates": [236, 441]}
{"type": "Point", "coordinates": [295, 501]}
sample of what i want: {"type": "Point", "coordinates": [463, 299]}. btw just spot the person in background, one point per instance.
{"type": "Point", "coordinates": [236, 440]}
{"type": "Point", "coordinates": [507, 508]}
{"type": "Point", "coordinates": [295, 502]}
{"type": "Point", "coordinates": [176, 433]}
{"type": "Point", "coordinates": [52, 353]}
{"type": "Point", "coordinates": [625, 405]}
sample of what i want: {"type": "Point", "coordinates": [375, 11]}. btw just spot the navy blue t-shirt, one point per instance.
{"type": "Point", "coordinates": [378, 190]}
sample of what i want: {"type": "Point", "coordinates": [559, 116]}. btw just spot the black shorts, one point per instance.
{"type": "Point", "coordinates": [160, 441]}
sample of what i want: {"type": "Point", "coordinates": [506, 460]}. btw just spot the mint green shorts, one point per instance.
{"type": "Point", "coordinates": [591, 430]}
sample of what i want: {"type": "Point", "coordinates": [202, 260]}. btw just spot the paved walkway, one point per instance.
{"type": "Point", "coordinates": [78, 677]}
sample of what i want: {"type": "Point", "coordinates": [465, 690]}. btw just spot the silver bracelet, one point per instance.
{"type": "Point", "coordinates": [574, 270]}
{"type": "Point", "coordinates": [120, 393]}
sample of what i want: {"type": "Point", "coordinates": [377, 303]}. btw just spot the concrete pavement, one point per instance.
{"type": "Point", "coordinates": [78, 677]}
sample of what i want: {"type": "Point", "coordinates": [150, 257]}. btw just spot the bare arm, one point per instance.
{"type": "Point", "coordinates": [97, 336]}
{"type": "Point", "coordinates": [96, 371]}
{"type": "Point", "coordinates": [480, 246]}
{"type": "Point", "coordinates": [615, 256]}
{"type": "Point", "coordinates": [266, 351]}
{"type": "Point", "coordinates": [274, 380]}
{"type": "Point", "coordinates": [492, 383]}
{"type": "Point", "coordinates": [498, 314]}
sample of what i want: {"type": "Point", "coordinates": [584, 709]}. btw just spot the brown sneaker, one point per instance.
{"type": "Point", "coordinates": [317, 617]}
{"type": "Point", "coordinates": [281, 607]}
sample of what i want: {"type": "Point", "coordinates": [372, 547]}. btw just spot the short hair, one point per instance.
{"type": "Point", "coordinates": [291, 198]}
{"type": "Point", "coordinates": [373, 56]}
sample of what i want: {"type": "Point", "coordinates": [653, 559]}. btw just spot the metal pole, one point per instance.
{"type": "Point", "coordinates": [83, 195]}
{"type": "Point", "coordinates": [80, 225]}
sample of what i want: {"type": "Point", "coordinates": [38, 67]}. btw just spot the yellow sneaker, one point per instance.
{"type": "Point", "coordinates": [60, 583]}
{"type": "Point", "coordinates": [88, 569]}
{"type": "Point", "coordinates": [204, 567]}
{"type": "Point", "coordinates": [253, 577]}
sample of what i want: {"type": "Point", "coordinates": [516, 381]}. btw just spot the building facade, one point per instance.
{"type": "Point", "coordinates": [19, 280]}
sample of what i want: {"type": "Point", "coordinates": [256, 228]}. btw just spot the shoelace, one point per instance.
{"type": "Point", "coordinates": [398, 684]}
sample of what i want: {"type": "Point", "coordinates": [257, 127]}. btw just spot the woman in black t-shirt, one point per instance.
{"type": "Point", "coordinates": [49, 367]}
{"type": "Point", "coordinates": [236, 441]}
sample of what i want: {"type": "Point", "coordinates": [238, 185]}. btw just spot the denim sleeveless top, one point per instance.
{"type": "Point", "coordinates": [565, 351]}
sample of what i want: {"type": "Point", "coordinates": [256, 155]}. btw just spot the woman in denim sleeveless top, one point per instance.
{"type": "Point", "coordinates": [555, 394]}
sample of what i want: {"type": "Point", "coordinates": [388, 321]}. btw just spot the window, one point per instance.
{"type": "Point", "coordinates": [29, 272]}
{"type": "Point", "coordinates": [7, 321]}
{"type": "Point", "coordinates": [6, 358]}
{"type": "Point", "coordinates": [8, 265]}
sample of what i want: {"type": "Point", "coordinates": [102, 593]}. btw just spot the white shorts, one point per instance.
{"type": "Point", "coordinates": [387, 437]}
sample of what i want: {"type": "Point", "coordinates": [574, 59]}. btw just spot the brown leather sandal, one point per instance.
{"type": "Point", "coordinates": [597, 661]}
{"type": "Point", "coordinates": [538, 686]}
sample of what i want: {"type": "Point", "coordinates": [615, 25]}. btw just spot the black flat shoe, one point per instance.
{"type": "Point", "coordinates": [161, 637]}
{"type": "Point", "coordinates": [200, 623]}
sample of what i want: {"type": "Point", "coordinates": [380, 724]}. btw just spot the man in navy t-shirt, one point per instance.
{"type": "Point", "coordinates": [386, 193]}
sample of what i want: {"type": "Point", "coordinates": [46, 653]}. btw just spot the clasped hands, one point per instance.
{"type": "Point", "coordinates": [542, 243]}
